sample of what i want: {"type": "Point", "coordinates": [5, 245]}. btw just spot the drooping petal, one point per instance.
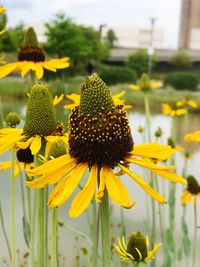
{"type": "Point", "coordinates": [149, 165]}
{"type": "Point", "coordinates": [170, 176]}
{"type": "Point", "coordinates": [186, 197]}
{"type": "Point", "coordinates": [102, 185]}
{"type": "Point", "coordinates": [39, 71]}
{"type": "Point", "coordinates": [26, 67]}
{"type": "Point", "coordinates": [57, 99]}
{"type": "Point", "coordinates": [48, 66]}
{"type": "Point", "coordinates": [6, 69]}
{"type": "Point", "coordinates": [66, 187]}
{"type": "Point", "coordinates": [153, 151]}
{"type": "Point", "coordinates": [149, 190]}
{"type": "Point", "coordinates": [36, 145]}
{"type": "Point", "coordinates": [84, 197]}
{"type": "Point", "coordinates": [195, 136]}
{"type": "Point", "coordinates": [151, 254]}
{"type": "Point", "coordinates": [116, 190]}
{"type": "Point", "coordinates": [25, 144]}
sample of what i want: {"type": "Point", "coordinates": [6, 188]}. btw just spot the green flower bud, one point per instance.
{"type": "Point", "coordinates": [158, 133]}
{"type": "Point", "coordinates": [57, 149]}
{"type": "Point", "coordinates": [170, 142]}
{"type": "Point", "coordinates": [193, 185]}
{"type": "Point", "coordinates": [145, 81]}
{"type": "Point", "coordinates": [137, 242]}
{"type": "Point", "coordinates": [140, 129]}
{"type": "Point", "coordinates": [95, 96]}
{"type": "Point", "coordinates": [40, 114]}
{"type": "Point", "coordinates": [12, 119]}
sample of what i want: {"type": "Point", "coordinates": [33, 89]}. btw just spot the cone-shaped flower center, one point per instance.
{"type": "Point", "coordinates": [25, 156]}
{"type": "Point", "coordinates": [145, 81]}
{"type": "Point", "coordinates": [57, 149]}
{"type": "Point", "coordinates": [137, 242]}
{"type": "Point", "coordinates": [99, 132]}
{"type": "Point", "coordinates": [12, 119]}
{"type": "Point", "coordinates": [30, 50]}
{"type": "Point", "coordinates": [40, 114]}
{"type": "Point", "coordinates": [193, 186]}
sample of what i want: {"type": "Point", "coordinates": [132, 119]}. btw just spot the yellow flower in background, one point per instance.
{"type": "Point", "coordinates": [191, 192]}
{"type": "Point", "coordinates": [137, 248]}
{"type": "Point", "coordinates": [40, 124]}
{"type": "Point", "coordinates": [195, 136]}
{"type": "Point", "coordinates": [2, 9]}
{"type": "Point", "coordinates": [76, 100]}
{"type": "Point", "coordinates": [145, 84]}
{"type": "Point", "coordinates": [32, 58]}
{"type": "Point", "coordinates": [100, 140]}
{"type": "Point", "coordinates": [172, 109]}
{"type": "Point", "coordinates": [186, 102]}
{"type": "Point", "coordinates": [58, 99]}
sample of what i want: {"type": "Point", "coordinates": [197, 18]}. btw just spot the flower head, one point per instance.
{"type": "Point", "coordinates": [136, 249]}
{"type": "Point", "coordinates": [2, 9]}
{"type": "Point", "coordinates": [31, 57]}
{"type": "Point", "coordinates": [145, 84]}
{"type": "Point", "coordinates": [40, 123]}
{"type": "Point", "coordinates": [187, 102]}
{"type": "Point", "coordinates": [172, 109]}
{"type": "Point", "coordinates": [12, 119]}
{"type": "Point", "coordinates": [192, 191]}
{"type": "Point", "coordinates": [100, 140]}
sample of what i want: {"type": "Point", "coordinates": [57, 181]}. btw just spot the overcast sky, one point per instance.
{"type": "Point", "coordinates": [113, 13]}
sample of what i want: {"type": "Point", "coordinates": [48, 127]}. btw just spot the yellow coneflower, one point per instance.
{"type": "Point", "coordinates": [145, 84]}
{"type": "Point", "coordinates": [100, 140]}
{"type": "Point", "coordinates": [187, 102]}
{"type": "Point", "coordinates": [2, 10]}
{"type": "Point", "coordinates": [137, 248]}
{"type": "Point", "coordinates": [32, 58]}
{"type": "Point", "coordinates": [195, 136]}
{"type": "Point", "coordinates": [172, 109]}
{"type": "Point", "coordinates": [40, 124]}
{"type": "Point", "coordinates": [191, 192]}
{"type": "Point", "coordinates": [76, 100]}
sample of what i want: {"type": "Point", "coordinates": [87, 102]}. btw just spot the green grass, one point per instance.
{"type": "Point", "coordinates": [16, 88]}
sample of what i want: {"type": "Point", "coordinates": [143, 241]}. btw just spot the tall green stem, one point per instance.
{"type": "Point", "coordinates": [12, 202]}
{"type": "Point", "coordinates": [54, 237]}
{"type": "Point", "coordinates": [195, 236]}
{"type": "Point", "coordinates": [105, 230]}
{"type": "Point", "coordinates": [32, 226]}
{"type": "Point", "coordinates": [94, 232]}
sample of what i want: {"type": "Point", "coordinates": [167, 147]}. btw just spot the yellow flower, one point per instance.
{"type": "Point", "coordinates": [100, 140]}
{"type": "Point", "coordinates": [195, 136]}
{"type": "Point", "coordinates": [32, 58]}
{"type": "Point", "coordinates": [137, 248]}
{"type": "Point", "coordinates": [145, 84]}
{"type": "Point", "coordinates": [76, 100]}
{"type": "Point", "coordinates": [58, 99]}
{"type": "Point", "coordinates": [40, 124]}
{"type": "Point", "coordinates": [186, 102]}
{"type": "Point", "coordinates": [2, 9]}
{"type": "Point", "coordinates": [172, 109]}
{"type": "Point", "coordinates": [191, 192]}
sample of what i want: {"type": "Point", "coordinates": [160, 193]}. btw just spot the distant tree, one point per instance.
{"type": "Point", "coordinates": [181, 59]}
{"type": "Point", "coordinates": [111, 38]}
{"type": "Point", "coordinates": [80, 43]}
{"type": "Point", "coordinates": [139, 61]}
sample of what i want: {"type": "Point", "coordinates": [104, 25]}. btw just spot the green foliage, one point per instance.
{"type": "Point", "coordinates": [111, 38]}
{"type": "Point", "coordinates": [181, 59]}
{"type": "Point", "coordinates": [11, 40]}
{"type": "Point", "coordinates": [182, 80]}
{"type": "Point", "coordinates": [114, 75]}
{"type": "Point", "coordinates": [80, 43]}
{"type": "Point", "coordinates": [139, 61]}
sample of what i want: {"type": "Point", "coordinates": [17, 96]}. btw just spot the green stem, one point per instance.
{"type": "Point", "coordinates": [45, 225]}
{"type": "Point", "coordinates": [4, 232]}
{"type": "Point", "coordinates": [105, 230]}
{"type": "Point", "coordinates": [41, 227]}
{"type": "Point", "coordinates": [94, 231]}
{"type": "Point", "coordinates": [28, 194]}
{"type": "Point", "coordinates": [195, 236]}
{"type": "Point", "coordinates": [54, 237]}
{"type": "Point", "coordinates": [12, 198]}
{"type": "Point", "coordinates": [148, 116]}
{"type": "Point", "coordinates": [32, 75]}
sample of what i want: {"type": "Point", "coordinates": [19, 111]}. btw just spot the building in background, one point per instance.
{"type": "Point", "coordinates": [136, 38]}
{"type": "Point", "coordinates": [189, 37]}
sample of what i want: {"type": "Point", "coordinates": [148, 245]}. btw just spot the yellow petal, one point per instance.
{"type": "Point", "coordinates": [149, 164]}
{"type": "Point", "coordinates": [195, 136]}
{"type": "Point", "coordinates": [39, 70]}
{"type": "Point", "coordinates": [2, 9]}
{"type": "Point", "coordinates": [48, 66]}
{"type": "Point", "coordinates": [66, 187]}
{"type": "Point", "coordinates": [170, 176]}
{"type": "Point", "coordinates": [153, 150]}
{"type": "Point", "coordinates": [25, 144]}
{"type": "Point", "coordinates": [84, 197]}
{"type": "Point", "coordinates": [35, 145]}
{"type": "Point", "coordinates": [149, 190]}
{"type": "Point", "coordinates": [186, 197]}
{"type": "Point", "coordinates": [5, 70]}
{"type": "Point", "coordinates": [151, 254]}
{"type": "Point", "coordinates": [102, 185]}
{"type": "Point", "coordinates": [57, 99]}
{"type": "Point", "coordinates": [134, 87]}
{"type": "Point", "coordinates": [26, 67]}
{"type": "Point", "coordinates": [116, 190]}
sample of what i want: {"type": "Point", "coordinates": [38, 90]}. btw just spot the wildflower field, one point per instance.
{"type": "Point", "coordinates": [88, 179]}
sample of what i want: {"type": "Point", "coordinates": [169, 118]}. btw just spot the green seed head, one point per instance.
{"type": "Point", "coordinates": [170, 142]}
{"type": "Point", "coordinates": [137, 240]}
{"type": "Point", "coordinates": [193, 185]}
{"type": "Point", "coordinates": [158, 133]}
{"type": "Point", "coordinates": [95, 96]}
{"type": "Point", "coordinates": [30, 38]}
{"type": "Point", "coordinates": [57, 149]}
{"type": "Point", "coordinates": [40, 114]}
{"type": "Point", "coordinates": [145, 81]}
{"type": "Point", "coordinates": [12, 119]}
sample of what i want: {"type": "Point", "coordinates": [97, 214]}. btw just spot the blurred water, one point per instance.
{"type": "Point", "coordinates": [134, 218]}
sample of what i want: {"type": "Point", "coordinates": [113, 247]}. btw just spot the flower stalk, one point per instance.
{"type": "Point", "coordinates": [12, 202]}
{"type": "Point", "coordinates": [54, 237]}
{"type": "Point", "coordinates": [195, 236]}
